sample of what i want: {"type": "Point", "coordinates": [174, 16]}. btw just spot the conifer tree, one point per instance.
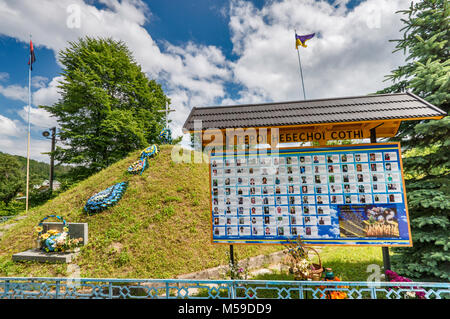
{"type": "Point", "coordinates": [426, 73]}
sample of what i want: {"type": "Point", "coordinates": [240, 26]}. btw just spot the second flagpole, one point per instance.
{"type": "Point", "coordinates": [28, 144]}
{"type": "Point", "coordinates": [300, 66]}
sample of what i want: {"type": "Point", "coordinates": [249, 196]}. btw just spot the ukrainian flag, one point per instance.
{"type": "Point", "coordinates": [301, 39]}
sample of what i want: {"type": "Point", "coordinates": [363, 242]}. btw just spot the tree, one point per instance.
{"type": "Point", "coordinates": [11, 178]}
{"type": "Point", "coordinates": [427, 162]}
{"type": "Point", "coordinates": [108, 107]}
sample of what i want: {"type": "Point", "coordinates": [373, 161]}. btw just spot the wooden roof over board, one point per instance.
{"type": "Point", "coordinates": [358, 111]}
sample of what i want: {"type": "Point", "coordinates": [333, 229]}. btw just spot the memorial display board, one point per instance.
{"type": "Point", "coordinates": [333, 195]}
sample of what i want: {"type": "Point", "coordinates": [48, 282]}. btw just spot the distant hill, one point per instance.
{"type": "Point", "coordinates": [40, 171]}
{"type": "Point", "coordinates": [159, 229]}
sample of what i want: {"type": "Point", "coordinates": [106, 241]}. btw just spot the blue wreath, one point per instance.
{"type": "Point", "coordinates": [150, 151]}
{"type": "Point", "coordinates": [138, 167]}
{"type": "Point", "coordinates": [106, 198]}
{"type": "Point", "coordinates": [166, 136]}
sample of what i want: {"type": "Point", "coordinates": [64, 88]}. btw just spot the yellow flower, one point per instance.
{"type": "Point", "coordinates": [66, 229]}
{"type": "Point", "coordinates": [53, 232]}
{"type": "Point", "coordinates": [39, 229]}
{"type": "Point", "coordinates": [45, 236]}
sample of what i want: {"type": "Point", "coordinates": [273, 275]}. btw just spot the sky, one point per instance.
{"type": "Point", "coordinates": [203, 53]}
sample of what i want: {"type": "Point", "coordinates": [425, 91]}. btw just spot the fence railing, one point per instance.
{"type": "Point", "coordinates": [90, 288]}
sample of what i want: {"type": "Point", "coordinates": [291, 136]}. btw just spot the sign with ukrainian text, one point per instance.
{"type": "Point", "coordinates": [333, 195]}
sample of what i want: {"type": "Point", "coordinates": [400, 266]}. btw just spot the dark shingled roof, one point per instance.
{"type": "Point", "coordinates": [347, 109]}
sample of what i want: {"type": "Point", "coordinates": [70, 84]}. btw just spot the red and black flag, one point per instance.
{"type": "Point", "coordinates": [32, 56]}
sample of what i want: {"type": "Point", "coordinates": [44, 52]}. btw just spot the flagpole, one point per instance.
{"type": "Point", "coordinates": [28, 145]}
{"type": "Point", "coordinates": [300, 66]}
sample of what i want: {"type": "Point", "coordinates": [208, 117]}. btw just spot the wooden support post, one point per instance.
{"type": "Point", "coordinates": [385, 250]}
{"type": "Point", "coordinates": [386, 258]}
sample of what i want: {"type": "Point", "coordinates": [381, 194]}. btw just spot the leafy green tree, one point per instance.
{"type": "Point", "coordinates": [11, 178]}
{"type": "Point", "coordinates": [427, 162]}
{"type": "Point", "coordinates": [108, 107]}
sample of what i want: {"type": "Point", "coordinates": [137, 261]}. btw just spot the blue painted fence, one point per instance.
{"type": "Point", "coordinates": [87, 288]}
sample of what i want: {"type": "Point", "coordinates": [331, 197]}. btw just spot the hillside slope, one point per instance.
{"type": "Point", "coordinates": [159, 229]}
{"type": "Point", "coordinates": [39, 170]}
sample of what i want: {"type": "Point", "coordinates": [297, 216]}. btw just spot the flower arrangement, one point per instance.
{"type": "Point", "coordinates": [106, 198]}
{"type": "Point", "coordinates": [150, 151]}
{"type": "Point", "coordinates": [301, 268]}
{"type": "Point", "coordinates": [299, 263]}
{"type": "Point", "coordinates": [54, 240]}
{"type": "Point", "coordinates": [334, 294]}
{"type": "Point", "coordinates": [392, 276]}
{"type": "Point", "coordinates": [138, 166]}
{"type": "Point", "coordinates": [166, 136]}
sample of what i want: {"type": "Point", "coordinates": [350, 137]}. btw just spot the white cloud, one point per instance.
{"type": "Point", "coordinates": [13, 140]}
{"type": "Point", "coordinates": [39, 118]}
{"type": "Point", "coordinates": [47, 94]}
{"type": "Point", "coordinates": [349, 56]}
{"type": "Point", "coordinates": [9, 127]}
{"type": "Point", "coordinates": [192, 74]}
{"type": "Point", "coordinates": [38, 81]}
{"type": "Point", "coordinates": [15, 92]}
{"type": "Point", "coordinates": [4, 76]}
{"type": "Point", "coordinates": [17, 145]}
{"type": "Point", "coordinates": [335, 230]}
{"type": "Point", "coordinates": [44, 95]}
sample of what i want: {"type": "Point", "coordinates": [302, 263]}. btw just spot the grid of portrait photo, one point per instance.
{"type": "Point", "coordinates": [290, 194]}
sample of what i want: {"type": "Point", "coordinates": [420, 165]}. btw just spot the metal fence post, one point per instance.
{"type": "Point", "coordinates": [167, 290]}
{"type": "Point", "coordinates": [110, 290]}
{"type": "Point", "coordinates": [233, 290]}
{"type": "Point", "coordinates": [300, 291]}
{"type": "Point", "coordinates": [57, 287]}
{"type": "Point", "coordinates": [6, 288]}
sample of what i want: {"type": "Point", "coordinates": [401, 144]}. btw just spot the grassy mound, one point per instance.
{"type": "Point", "coordinates": [159, 229]}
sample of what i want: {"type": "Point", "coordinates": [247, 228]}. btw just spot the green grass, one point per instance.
{"type": "Point", "coordinates": [159, 229]}
{"type": "Point", "coordinates": [348, 263]}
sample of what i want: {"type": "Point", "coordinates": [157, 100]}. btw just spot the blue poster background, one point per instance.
{"type": "Point", "coordinates": [334, 195]}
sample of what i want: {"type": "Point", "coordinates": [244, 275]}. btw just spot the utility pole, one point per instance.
{"type": "Point", "coordinates": [52, 155]}
{"type": "Point", "coordinates": [52, 158]}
